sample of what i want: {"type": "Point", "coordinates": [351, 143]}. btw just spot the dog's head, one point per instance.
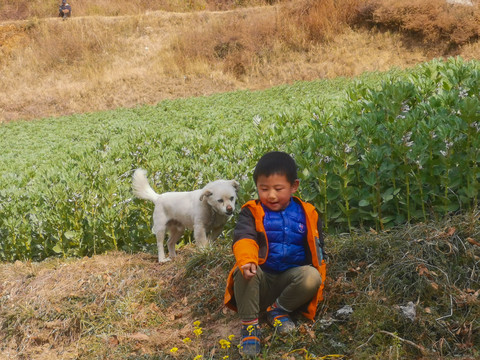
{"type": "Point", "coordinates": [221, 195]}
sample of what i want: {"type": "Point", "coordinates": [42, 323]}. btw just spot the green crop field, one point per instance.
{"type": "Point", "coordinates": [376, 151]}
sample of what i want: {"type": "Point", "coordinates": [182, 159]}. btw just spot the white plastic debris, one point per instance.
{"type": "Point", "coordinates": [344, 313]}
{"type": "Point", "coordinates": [409, 311]}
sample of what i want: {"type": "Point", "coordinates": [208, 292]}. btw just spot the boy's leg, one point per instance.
{"type": "Point", "coordinates": [296, 286]}
{"type": "Point", "coordinates": [248, 296]}
{"type": "Point", "coordinates": [290, 290]}
{"type": "Point", "coordinates": [256, 294]}
{"type": "Point", "coordinates": [299, 285]}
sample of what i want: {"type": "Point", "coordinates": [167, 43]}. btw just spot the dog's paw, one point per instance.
{"type": "Point", "coordinates": [164, 260]}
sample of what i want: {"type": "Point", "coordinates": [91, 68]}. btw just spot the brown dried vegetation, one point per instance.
{"type": "Point", "coordinates": [27, 9]}
{"type": "Point", "coordinates": [100, 307]}
{"type": "Point", "coordinates": [125, 306]}
{"type": "Point", "coordinates": [124, 53]}
{"type": "Point", "coordinates": [437, 24]}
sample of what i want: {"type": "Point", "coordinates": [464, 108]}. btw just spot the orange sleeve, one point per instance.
{"type": "Point", "coordinates": [245, 251]}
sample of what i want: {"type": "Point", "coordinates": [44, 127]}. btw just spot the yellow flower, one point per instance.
{"type": "Point", "coordinates": [198, 331]}
{"type": "Point", "coordinates": [173, 350]}
{"type": "Point", "coordinates": [225, 357]}
{"type": "Point", "coordinates": [230, 337]}
{"type": "Point", "coordinates": [187, 340]}
{"type": "Point", "coordinates": [250, 329]}
{"type": "Point", "coordinates": [277, 323]}
{"type": "Point", "coordinates": [224, 343]}
{"type": "Point", "coordinates": [196, 323]}
{"type": "Point", "coordinates": [198, 357]}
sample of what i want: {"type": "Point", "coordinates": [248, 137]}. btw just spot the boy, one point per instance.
{"type": "Point", "coordinates": [278, 247]}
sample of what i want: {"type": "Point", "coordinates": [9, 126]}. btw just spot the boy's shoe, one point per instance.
{"type": "Point", "coordinates": [280, 320]}
{"type": "Point", "coordinates": [250, 345]}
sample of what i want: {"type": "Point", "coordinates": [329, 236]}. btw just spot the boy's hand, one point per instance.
{"type": "Point", "coordinates": [249, 270]}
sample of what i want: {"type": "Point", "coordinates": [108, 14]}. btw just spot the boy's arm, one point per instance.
{"type": "Point", "coordinates": [245, 247]}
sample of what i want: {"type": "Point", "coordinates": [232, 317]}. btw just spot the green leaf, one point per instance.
{"type": "Point", "coordinates": [453, 206]}
{"type": "Point", "coordinates": [69, 235]}
{"type": "Point", "coordinates": [363, 203]}
{"type": "Point", "coordinates": [58, 249]}
{"type": "Point", "coordinates": [370, 179]}
{"type": "Point", "coordinates": [387, 219]}
{"type": "Point", "coordinates": [388, 195]}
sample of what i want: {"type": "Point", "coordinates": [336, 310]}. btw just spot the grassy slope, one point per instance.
{"type": "Point", "coordinates": [128, 307]}
{"type": "Point", "coordinates": [142, 56]}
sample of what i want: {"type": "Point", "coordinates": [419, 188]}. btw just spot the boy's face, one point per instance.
{"type": "Point", "coordinates": [275, 191]}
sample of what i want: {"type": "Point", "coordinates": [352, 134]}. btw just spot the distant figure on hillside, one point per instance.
{"type": "Point", "coordinates": [65, 10]}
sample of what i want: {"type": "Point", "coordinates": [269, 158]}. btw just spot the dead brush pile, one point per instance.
{"type": "Point", "coordinates": [436, 24]}
{"type": "Point", "coordinates": [410, 293]}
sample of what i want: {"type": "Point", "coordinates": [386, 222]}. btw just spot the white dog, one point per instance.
{"type": "Point", "coordinates": [205, 211]}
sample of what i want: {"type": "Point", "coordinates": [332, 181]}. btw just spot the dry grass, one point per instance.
{"type": "Point", "coordinates": [321, 20]}
{"type": "Point", "coordinates": [54, 67]}
{"type": "Point", "coordinates": [120, 306]}
{"type": "Point", "coordinates": [100, 307]}
{"type": "Point", "coordinates": [436, 23]}
{"type": "Point", "coordinates": [51, 67]}
{"type": "Point", "coordinates": [25, 9]}
{"type": "Point", "coordinates": [433, 265]}
{"type": "Point", "coordinates": [259, 38]}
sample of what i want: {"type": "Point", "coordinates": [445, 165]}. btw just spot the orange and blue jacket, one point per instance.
{"type": "Point", "coordinates": [252, 247]}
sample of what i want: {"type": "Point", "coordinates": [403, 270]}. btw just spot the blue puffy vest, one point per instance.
{"type": "Point", "coordinates": [286, 231]}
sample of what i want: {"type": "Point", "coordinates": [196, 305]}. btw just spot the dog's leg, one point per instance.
{"type": "Point", "coordinates": [160, 239]}
{"type": "Point", "coordinates": [176, 233]}
{"type": "Point", "coordinates": [200, 235]}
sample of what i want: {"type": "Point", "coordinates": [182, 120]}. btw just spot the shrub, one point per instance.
{"type": "Point", "coordinates": [401, 152]}
{"type": "Point", "coordinates": [436, 23]}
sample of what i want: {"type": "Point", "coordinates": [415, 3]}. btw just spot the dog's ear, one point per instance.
{"type": "Point", "coordinates": [206, 193]}
{"type": "Point", "coordinates": [235, 184]}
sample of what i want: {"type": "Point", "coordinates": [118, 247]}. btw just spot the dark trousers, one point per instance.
{"type": "Point", "coordinates": [291, 289]}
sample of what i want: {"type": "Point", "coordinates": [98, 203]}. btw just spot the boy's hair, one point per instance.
{"type": "Point", "coordinates": [276, 162]}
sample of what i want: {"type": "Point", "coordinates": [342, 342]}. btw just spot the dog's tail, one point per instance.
{"type": "Point", "coordinates": [141, 188]}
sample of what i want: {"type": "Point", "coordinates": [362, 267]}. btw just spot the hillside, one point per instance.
{"type": "Point", "coordinates": [122, 306]}
{"type": "Point", "coordinates": [52, 67]}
